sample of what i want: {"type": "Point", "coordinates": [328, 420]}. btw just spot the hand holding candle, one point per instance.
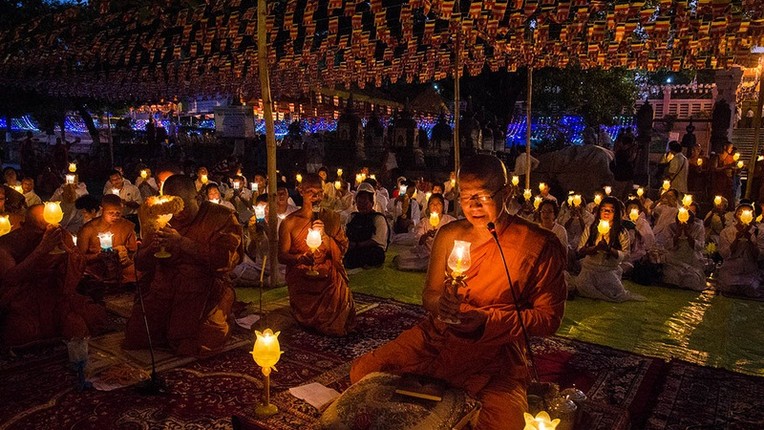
{"type": "Point", "coordinates": [106, 241]}
{"type": "Point", "coordinates": [5, 225]}
{"type": "Point", "coordinates": [314, 242]}
{"type": "Point", "coordinates": [603, 228]}
{"type": "Point", "coordinates": [52, 214]}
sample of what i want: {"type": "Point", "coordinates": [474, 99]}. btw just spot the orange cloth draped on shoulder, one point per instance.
{"type": "Point", "coordinates": [38, 292]}
{"type": "Point", "coordinates": [325, 302]}
{"type": "Point", "coordinates": [489, 364]}
{"type": "Point", "coordinates": [190, 295]}
{"type": "Point", "coordinates": [89, 244]}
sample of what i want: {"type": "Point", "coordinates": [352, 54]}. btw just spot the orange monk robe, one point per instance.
{"type": "Point", "coordinates": [38, 292]}
{"type": "Point", "coordinates": [325, 302]}
{"type": "Point", "coordinates": [190, 297]}
{"type": "Point", "coordinates": [489, 365]}
{"type": "Point", "coordinates": [89, 244]}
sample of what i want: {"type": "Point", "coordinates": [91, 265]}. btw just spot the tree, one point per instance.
{"type": "Point", "coordinates": [597, 95]}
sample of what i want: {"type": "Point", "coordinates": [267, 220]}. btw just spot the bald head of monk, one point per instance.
{"type": "Point", "coordinates": [34, 218]}
{"type": "Point", "coordinates": [182, 186]}
{"type": "Point", "coordinates": [482, 189]}
{"type": "Point", "coordinates": [311, 189]}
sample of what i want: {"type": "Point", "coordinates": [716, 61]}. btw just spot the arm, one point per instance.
{"type": "Point", "coordinates": [544, 292]}
{"type": "Point", "coordinates": [222, 252]}
{"type": "Point", "coordinates": [285, 243]}
{"type": "Point", "coordinates": [436, 277]}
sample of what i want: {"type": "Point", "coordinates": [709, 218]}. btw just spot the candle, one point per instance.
{"type": "Point", "coordinates": [216, 201]}
{"type": "Point", "coordinates": [314, 239]}
{"type": "Point", "coordinates": [253, 186]}
{"type": "Point", "coordinates": [603, 227]}
{"type": "Point", "coordinates": [260, 212]}
{"type": "Point", "coordinates": [256, 188]}
{"type": "Point", "coordinates": [70, 179]}
{"type": "Point", "coordinates": [434, 219]}
{"type": "Point", "coordinates": [537, 202]}
{"type": "Point", "coordinates": [144, 174]}
{"type": "Point", "coordinates": [115, 191]}
{"type": "Point", "coordinates": [577, 200]}
{"type": "Point", "coordinates": [53, 213]}
{"type": "Point", "coordinates": [759, 218]}
{"type": "Point", "coordinates": [760, 158]}
{"type": "Point", "coordinates": [236, 184]}
{"type": "Point", "coordinates": [402, 189]}
{"type": "Point", "coordinates": [542, 186]}
{"type": "Point", "coordinates": [527, 194]}
{"type": "Point", "coordinates": [608, 189]}
{"type": "Point", "coordinates": [700, 162]}
{"type": "Point", "coordinates": [19, 189]}
{"type": "Point", "coordinates": [337, 185]}
{"type": "Point", "coordinates": [298, 177]}
{"type": "Point", "coordinates": [666, 184]}
{"type": "Point", "coordinates": [73, 167]}
{"type": "Point", "coordinates": [634, 214]}
{"type": "Point", "coordinates": [204, 178]}
{"type": "Point", "coordinates": [5, 225]}
{"type": "Point", "coordinates": [339, 172]}
{"type": "Point", "coordinates": [453, 182]}
{"type": "Point", "coordinates": [746, 216]}
{"type": "Point", "coordinates": [74, 239]}
{"type": "Point", "coordinates": [736, 156]}
{"type": "Point", "coordinates": [570, 200]}
{"type": "Point", "coordinates": [373, 177]}
{"type": "Point", "coordinates": [597, 199]}
{"type": "Point", "coordinates": [515, 180]}
{"type": "Point", "coordinates": [460, 259]}
{"type": "Point", "coordinates": [542, 421]}
{"type": "Point", "coordinates": [687, 200]}
{"type": "Point", "coordinates": [358, 178]}
{"type": "Point", "coordinates": [669, 156]}
{"type": "Point", "coordinates": [718, 201]}
{"type": "Point", "coordinates": [740, 164]}
{"type": "Point", "coordinates": [363, 177]}
{"type": "Point", "coordinates": [640, 192]}
{"type": "Point", "coordinates": [683, 216]}
{"type": "Point", "coordinates": [106, 240]}
{"type": "Point", "coordinates": [427, 195]}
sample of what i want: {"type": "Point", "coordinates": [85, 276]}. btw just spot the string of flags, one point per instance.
{"type": "Point", "coordinates": [162, 52]}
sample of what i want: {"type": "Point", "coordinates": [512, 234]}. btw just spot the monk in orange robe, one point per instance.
{"type": "Point", "coordinates": [37, 288]}
{"type": "Point", "coordinates": [190, 295]}
{"type": "Point", "coordinates": [323, 302]}
{"type": "Point", "coordinates": [485, 353]}
{"type": "Point", "coordinates": [109, 268]}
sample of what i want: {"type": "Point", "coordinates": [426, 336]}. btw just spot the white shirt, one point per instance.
{"type": "Point", "coordinates": [129, 193]}
{"type": "Point", "coordinates": [522, 161]}
{"type": "Point", "coordinates": [32, 199]}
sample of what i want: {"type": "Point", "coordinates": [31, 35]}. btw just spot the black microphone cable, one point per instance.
{"type": "Point", "coordinates": [492, 229]}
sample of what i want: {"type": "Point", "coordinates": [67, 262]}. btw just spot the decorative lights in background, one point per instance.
{"type": "Point", "coordinates": [570, 128]}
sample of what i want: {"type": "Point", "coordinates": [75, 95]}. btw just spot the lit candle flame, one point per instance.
{"type": "Point", "coordinates": [740, 164]}
{"type": "Point", "coordinates": [718, 200]}
{"type": "Point", "coordinates": [634, 214]}
{"type": "Point", "coordinates": [144, 174]}
{"type": "Point", "coordinates": [434, 219]}
{"type": "Point", "coordinates": [608, 189]}
{"type": "Point", "coordinates": [577, 200]}
{"type": "Point", "coordinates": [640, 192]}
{"type": "Point", "coordinates": [460, 259]}
{"type": "Point", "coordinates": [527, 194]}
{"type": "Point", "coordinates": [700, 162]}
{"type": "Point", "coordinates": [542, 186]}
{"type": "Point", "coordinates": [683, 216]}
{"type": "Point", "coordinates": [339, 172]}
{"type": "Point", "coordinates": [746, 216]}
{"type": "Point", "coordinates": [666, 184]}
{"type": "Point", "coordinates": [337, 185]}
{"type": "Point", "coordinates": [260, 212]}
{"type": "Point", "coordinates": [597, 199]}
{"type": "Point", "coordinates": [515, 180]}
{"type": "Point", "coordinates": [603, 227]}
{"type": "Point", "coordinates": [70, 179]}
{"type": "Point", "coordinates": [687, 200]}
{"type": "Point", "coordinates": [298, 177]}
{"type": "Point", "coordinates": [5, 225]}
{"type": "Point", "coordinates": [537, 202]}
{"type": "Point", "coordinates": [72, 167]}
{"type": "Point", "coordinates": [105, 238]}
{"type": "Point", "coordinates": [314, 239]}
{"type": "Point", "coordinates": [736, 156]}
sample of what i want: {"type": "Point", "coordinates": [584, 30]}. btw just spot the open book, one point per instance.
{"type": "Point", "coordinates": [421, 387]}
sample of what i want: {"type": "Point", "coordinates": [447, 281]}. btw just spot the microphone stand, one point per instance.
{"type": "Point", "coordinates": [492, 229]}
{"type": "Point", "coordinates": [155, 385]}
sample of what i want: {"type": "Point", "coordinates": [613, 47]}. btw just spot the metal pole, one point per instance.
{"type": "Point", "coordinates": [528, 131]}
{"type": "Point", "coordinates": [457, 113]}
{"type": "Point", "coordinates": [756, 136]}
{"type": "Point", "coordinates": [270, 138]}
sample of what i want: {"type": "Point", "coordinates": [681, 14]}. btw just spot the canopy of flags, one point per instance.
{"type": "Point", "coordinates": [158, 51]}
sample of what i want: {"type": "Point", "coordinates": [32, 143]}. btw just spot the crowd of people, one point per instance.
{"type": "Point", "coordinates": [54, 275]}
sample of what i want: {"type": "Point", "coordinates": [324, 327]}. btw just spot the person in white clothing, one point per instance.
{"type": "Point", "coordinates": [603, 250]}
{"type": "Point", "coordinates": [683, 242]}
{"type": "Point", "coordinates": [548, 212]}
{"type": "Point", "coordinates": [129, 193]}
{"type": "Point", "coordinates": [418, 258]}
{"type": "Point", "coordinates": [641, 234]}
{"type": "Point", "coordinates": [521, 164]}
{"type": "Point", "coordinates": [740, 245]}
{"type": "Point", "coordinates": [27, 184]}
{"type": "Point", "coordinates": [678, 167]}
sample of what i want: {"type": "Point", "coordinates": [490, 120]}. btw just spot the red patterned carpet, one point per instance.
{"type": "Point", "coordinates": [37, 390]}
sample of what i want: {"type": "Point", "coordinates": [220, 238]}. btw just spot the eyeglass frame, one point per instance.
{"type": "Point", "coordinates": [482, 199]}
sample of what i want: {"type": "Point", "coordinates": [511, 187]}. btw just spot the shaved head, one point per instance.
{"type": "Point", "coordinates": [34, 217]}
{"type": "Point", "coordinates": [311, 179]}
{"type": "Point", "coordinates": [485, 168]}
{"type": "Point", "coordinates": [181, 186]}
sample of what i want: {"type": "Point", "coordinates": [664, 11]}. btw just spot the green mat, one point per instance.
{"type": "Point", "coordinates": [702, 328]}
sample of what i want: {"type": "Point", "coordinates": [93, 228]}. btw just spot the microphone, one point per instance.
{"type": "Point", "coordinates": [492, 229]}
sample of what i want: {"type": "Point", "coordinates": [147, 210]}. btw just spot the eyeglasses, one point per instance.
{"type": "Point", "coordinates": [480, 198]}
{"type": "Point", "coordinates": [607, 211]}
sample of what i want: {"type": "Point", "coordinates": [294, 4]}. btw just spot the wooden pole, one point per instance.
{"type": "Point", "coordinates": [270, 138]}
{"type": "Point", "coordinates": [756, 136]}
{"type": "Point", "coordinates": [528, 131]}
{"type": "Point", "coordinates": [457, 113]}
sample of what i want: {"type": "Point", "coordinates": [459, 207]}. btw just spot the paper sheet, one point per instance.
{"type": "Point", "coordinates": [248, 321]}
{"type": "Point", "coordinates": [315, 394]}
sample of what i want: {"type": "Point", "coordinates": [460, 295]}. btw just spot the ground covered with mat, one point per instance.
{"type": "Point", "coordinates": [38, 389]}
